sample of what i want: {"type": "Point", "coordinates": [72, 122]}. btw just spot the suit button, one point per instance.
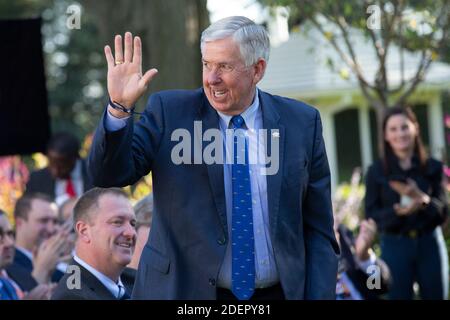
{"type": "Point", "coordinates": [212, 282]}
{"type": "Point", "coordinates": [221, 241]}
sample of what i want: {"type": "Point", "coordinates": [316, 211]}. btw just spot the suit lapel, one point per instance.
{"type": "Point", "coordinates": [210, 120]}
{"type": "Point", "coordinates": [270, 123]}
{"type": "Point", "coordinates": [93, 284]}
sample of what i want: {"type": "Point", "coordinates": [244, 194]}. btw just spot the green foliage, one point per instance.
{"type": "Point", "coordinates": [413, 24]}
{"type": "Point", "coordinates": [19, 9]}
{"type": "Point", "coordinates": [75, 69]}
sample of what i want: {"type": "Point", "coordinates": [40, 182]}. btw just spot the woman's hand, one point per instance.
{"type": "Point", "coordinates": [410, 189]}
{"type": "Point", "coordinates": [413, 207]}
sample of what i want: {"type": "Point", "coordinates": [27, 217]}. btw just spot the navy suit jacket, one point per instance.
{"type": "Point", "coordinates": [90, 287]}
{"type": "Point", "coordinates": [187, 243]}
{"type": "Point", "coordinates": [22, 277]}
{"type": "Point", "coordinates": [23, 264]}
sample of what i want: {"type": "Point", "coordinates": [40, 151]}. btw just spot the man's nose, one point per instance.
{"type": "Point", "coordinates": [51, 227]}
{"type": "Point", "coordinates": [214, 77]}
{"type": "Point", "coordinates": [130, 231]}
{"type": "Point", "coordinates": [9, 241]}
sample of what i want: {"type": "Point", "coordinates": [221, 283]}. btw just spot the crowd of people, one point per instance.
{"type": "Point", "coordinates": [97, 230]}
{"type": "Point", "coordinates": [221, 231]}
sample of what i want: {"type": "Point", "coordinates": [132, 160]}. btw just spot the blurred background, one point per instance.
{"type": "Point", "coordinates": [351, 59]}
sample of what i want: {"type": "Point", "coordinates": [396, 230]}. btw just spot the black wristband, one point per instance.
{"type": "Point", "coordinates": [118, 106]}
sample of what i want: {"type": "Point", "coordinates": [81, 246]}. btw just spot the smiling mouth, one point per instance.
{"type": "Point", "coordinates": [7, 254]}
{"type": "Point", "coordinates": [219, 94]}
{"type": "Point", "coordinates": [124, 245]}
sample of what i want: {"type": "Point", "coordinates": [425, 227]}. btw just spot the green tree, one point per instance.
{"type": "Point", "coordinates": [74, 59]}
{"type": "Point", "coordinates": [18, 9]}
{"type": "Point", "coordinates": [73, 62]}
{"type": "Point", "coordinates": [170, 33]}
{"type": "Point", "coordinates": [413, 26]}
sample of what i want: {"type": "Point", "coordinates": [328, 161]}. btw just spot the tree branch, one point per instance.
{"type": "Point", "coordinates": [380, 87]}
{"type": "Point", "coordinates": [427, 57]}
{"type": "Point", "coordinates": [418, 77]}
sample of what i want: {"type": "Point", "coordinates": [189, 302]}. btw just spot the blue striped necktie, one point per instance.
{"type": "Point", "coordinates": [243, 246]}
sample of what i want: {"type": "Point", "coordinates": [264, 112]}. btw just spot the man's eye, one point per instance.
{"type": "Point", "coordinates": [226, 67]}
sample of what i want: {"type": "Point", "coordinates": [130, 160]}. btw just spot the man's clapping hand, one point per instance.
{"type": "Point", "coordinates": [48, 254]}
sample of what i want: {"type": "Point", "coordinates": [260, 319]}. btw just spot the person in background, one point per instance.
{"type": "Point", "coordinates": [361, 274]}
{"type": "Point", "coordinates": [105, 223]}
{"type": "Point", "coordinates": [9, 289]}
{"type": "Point", "coordinates": [66, 174]}
{"type": "Point", "coordinates": [65, 217]}
{"type": "Point", "coordinates": [406, 198]}
{"type": "Point", "coordinates": [65, 210]}
{"type": "Point", "coordinates": [40, 243]}
{"type": "Point", "coordinates": [144, 213]}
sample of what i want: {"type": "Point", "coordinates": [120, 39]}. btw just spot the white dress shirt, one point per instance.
{"type": "Point", "coordinates": [116, 289]}
{"type": "Point", "coordinates": [61, 184]}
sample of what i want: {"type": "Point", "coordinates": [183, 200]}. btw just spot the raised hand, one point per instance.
{"type": "Point", "coordinates": [126, 84]}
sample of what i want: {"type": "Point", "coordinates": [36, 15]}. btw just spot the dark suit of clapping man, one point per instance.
{"type": "Point", "coordinates": [233, 227]}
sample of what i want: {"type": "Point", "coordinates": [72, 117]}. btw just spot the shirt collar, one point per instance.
{"type": "Point", "coordinates": [249, 114]}
{"type": "Point", "coordinates": [112, 286]}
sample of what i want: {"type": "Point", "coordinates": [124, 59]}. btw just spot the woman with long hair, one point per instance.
{"type": "Point", "coordinates": [405, 196]}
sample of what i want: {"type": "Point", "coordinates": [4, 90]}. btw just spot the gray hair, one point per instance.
{"type": "Point", "coordinates": [252, 39]}
{"type": "Point", "coordinates": [144, 211]}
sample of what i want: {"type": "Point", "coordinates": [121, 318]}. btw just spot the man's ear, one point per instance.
{"type": "Point", "coordinates": [84, 231]}
{"type": "Point", "coordinates": [260, 69]}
